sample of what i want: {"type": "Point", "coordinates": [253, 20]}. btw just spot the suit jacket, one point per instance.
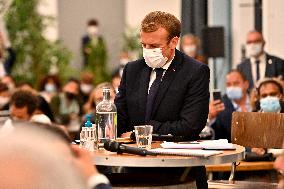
{"type": "Point", "coordinates": [222, 125]}
{"type": "Point", "coordinates": [181, 105]}
{"type": "Point", "coordinates": [274, 68]}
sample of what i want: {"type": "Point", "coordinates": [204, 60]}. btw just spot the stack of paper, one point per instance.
{"type": "Point", "coordinates": [221, 144]}
{"type": "Point", "coordinates": [186, 152]}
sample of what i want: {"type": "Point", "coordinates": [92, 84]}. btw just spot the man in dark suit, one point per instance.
{"type": "Point", "coordinates": [236, 99]}
{"type": "Point", "coordinates": [259, 64]}
{"type": "Point", "coordinates": [166, 89]}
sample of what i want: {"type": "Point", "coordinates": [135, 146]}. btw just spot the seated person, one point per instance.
{"type": "Point", "coordinates": [236, 99]}
{"type": "Point", "coordinates": [66, 106]}
{"type": "Point", "coordinates": [60, 165]}
{"type": "Point", "coordinates": [22, 106]}
{"type": "Point", "coordinates": [4, 97]}
{"type": "Point", "coordinates": [269, 96]}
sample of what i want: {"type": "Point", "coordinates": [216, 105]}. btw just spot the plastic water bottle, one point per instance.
{"type": "Point", "coordinates": [106, 119]}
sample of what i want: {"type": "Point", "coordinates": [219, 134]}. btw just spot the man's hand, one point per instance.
{"type": "Point", "coordinates": [215, 107]}
{"type": "Point", "coordinates": [258, 151]}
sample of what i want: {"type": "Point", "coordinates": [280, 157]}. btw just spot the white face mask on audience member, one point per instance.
{"type": "Point", "coordinates": [190, 50]}
{"type": "Point", "coordinates": [254, 49]}
{"type": "Point", "coordinates": [234, 93]}
{"type": "Point", "coordinates": [270, 104]}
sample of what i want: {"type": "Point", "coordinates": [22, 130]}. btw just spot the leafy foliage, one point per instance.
{"type": "Point", "coordinates": [34, 54]}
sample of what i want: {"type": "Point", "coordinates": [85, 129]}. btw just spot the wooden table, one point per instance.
{"type": "Point", "coordinates": [103, 157]}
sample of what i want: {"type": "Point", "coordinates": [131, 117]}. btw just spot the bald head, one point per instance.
{"type": "Point", "coordinates": [254, 37]}
{"type": "Point", "coordinates": [32, 159]}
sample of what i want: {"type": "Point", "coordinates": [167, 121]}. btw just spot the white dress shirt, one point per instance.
{"type": "Point", "coordinates": [153, 73]}
{"type": "Point", "coordinates": [262, 67]}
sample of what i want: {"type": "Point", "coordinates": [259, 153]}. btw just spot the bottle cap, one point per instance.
{"type": "Point", "coordinates": [88, 123]}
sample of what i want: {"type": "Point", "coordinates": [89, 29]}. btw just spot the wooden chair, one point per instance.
{"type": "Point", "coordinates": [254, 129]}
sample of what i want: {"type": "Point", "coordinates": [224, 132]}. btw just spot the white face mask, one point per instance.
{"type": "Point", "coordinates": [154, 57]}
{"type": "Point", "coordinates": [254, 49]}
{"type": "Point", "coordinates": [50, 88]}
{"type": "Point", "coordinates": [86, 88]}
{"type": "Point", "coordinates": [190, 50]}
{"type": "Point", "coordinates": [92, 30]}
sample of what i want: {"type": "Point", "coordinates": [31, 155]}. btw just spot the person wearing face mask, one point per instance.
{"type": "Point", "coordinates": [269, 96]}
{"type": "Point", "coordinates": [86, 85]}
{"type": "Point", "coordinates": [49, 87]}
{"type": "Point", "coordinates": [235, 99]}
{"type": "Point", "coordinates": [93, 46]}
{"type": "Point", "coordinates": [190, 45]}
{"type": "Point", "coordinates": [259, 64]}
{"type": "Point", "coordinates": [66, 106]}
{"type": "Point", "coordinates": [166, 89]}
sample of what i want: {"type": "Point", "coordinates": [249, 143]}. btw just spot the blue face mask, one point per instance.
{"type": "Point", "coordinates": [234, 93]}
{"type": "Point", "coordinates": [270, 104]}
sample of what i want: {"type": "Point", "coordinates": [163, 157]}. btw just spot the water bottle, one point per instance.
{"type": "Point", "coordinates": [88, 135]}
{"type": "Point", "coordinates": [106, 119]}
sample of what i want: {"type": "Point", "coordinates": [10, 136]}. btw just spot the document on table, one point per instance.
{"type": "Point", "coordinates": [221, 144]}
{"type": "Point", "coordinates": [186, 152]}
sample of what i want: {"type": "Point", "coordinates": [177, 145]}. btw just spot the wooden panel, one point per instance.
{"type": "Point", "coordinates": [243, 166]}
{"type": "Point", "coordinates": [255, 129]}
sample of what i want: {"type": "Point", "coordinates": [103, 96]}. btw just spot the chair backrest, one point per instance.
{"type": "Point", "coordinates": [257, 129]}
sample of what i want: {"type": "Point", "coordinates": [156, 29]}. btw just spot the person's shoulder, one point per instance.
{"type": "Point", "coordinates": [273, 58]}
{"type": "Point", "coordinates": [189, 62]}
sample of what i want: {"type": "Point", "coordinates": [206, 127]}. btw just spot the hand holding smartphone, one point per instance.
{"type": "Point", "coordinates": [217, 94]}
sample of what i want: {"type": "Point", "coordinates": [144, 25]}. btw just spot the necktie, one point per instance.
{"type": "Point", "coordinates": [153, 93]}
{"type": "Point", "coordinates": [257, 70]}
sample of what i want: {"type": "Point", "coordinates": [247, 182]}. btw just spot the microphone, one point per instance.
{"type": "Point", "coordinates": [158, 137]}
{"type": "Point", "coordinates": [121, 148]}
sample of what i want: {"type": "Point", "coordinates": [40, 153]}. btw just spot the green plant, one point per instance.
{"type": "Point", "coordinates": [34, 53]}
{"type": "Point", "coordinates": [131, 42]}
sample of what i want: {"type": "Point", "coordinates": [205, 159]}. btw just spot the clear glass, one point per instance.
{"type": "Point", "coordinates": [106, 119]}
{"type": "Point", "coordinates": [143, 134]}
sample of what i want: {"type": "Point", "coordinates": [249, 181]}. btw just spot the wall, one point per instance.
{"type": "Point", "coordinates": [273, 28]}
{"type": "Point", "coordinates": [242, 23]}
{"type": "Point", "coordinates": [137, 9]}
{"type": "Point", "coordinates": [72, 19]}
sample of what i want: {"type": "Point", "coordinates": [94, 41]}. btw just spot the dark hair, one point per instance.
{"type": "Point", "coordinates": [22, 98]}
{"type": "Point", "coordinates": [243, 76]}
{"type": "Point", "coordinates": [54, 78]}
{"type": "Point", "coordinates": [156, 19]}
{"type": "Point", "coordinates": [44, 107]}
{"type": "Point", "coordinates": [272, 81]}
{"type": "Point", "coordinates": [93, 22]}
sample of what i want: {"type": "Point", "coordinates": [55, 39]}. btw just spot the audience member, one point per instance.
{"type": "Point", "coordinates": [5, 96]}
{"type": "Point", "coordinates": [49, 87]}
{"type": "Point", "coordinates": [86, 85]}
{"type": "Point", "coordinates": [10, 82]}
{"type": "Point", "coordinates": [48, 154]}
{"type": "Point", "coordinates": [259, 64]}
{"type": "Point", "coordinates": [190, 45]}
{"type": "Point", "coordinates": [236, 99]}
{"type": "Point", "coordinates": [269, 97]}
{"type": "Point", "coordinates": [66, 106]}
{"type": "Point", "coordinates": [95, 53]}
{"type": "Point", "coordinates": [7, 57]}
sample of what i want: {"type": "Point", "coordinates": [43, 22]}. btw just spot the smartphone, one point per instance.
{"type": "Point", "coordinates": [217, 94]}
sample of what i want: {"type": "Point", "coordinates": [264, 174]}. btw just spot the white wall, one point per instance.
{"type": "Point", "coordinates": [242, 23]}
{"type": "Point", "coordinates": [273, 27]}
{"type": "Point", "coordinates": [136, 10]}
